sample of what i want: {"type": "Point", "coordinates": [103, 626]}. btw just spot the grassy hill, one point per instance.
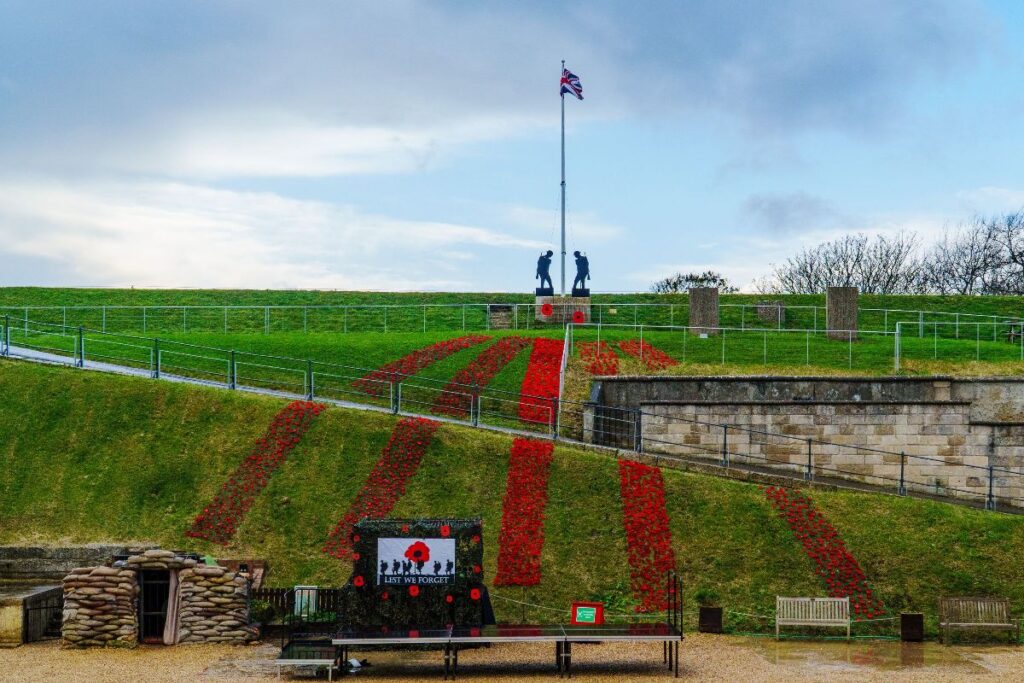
{"type": "Point", "coordinates": [88, 457]}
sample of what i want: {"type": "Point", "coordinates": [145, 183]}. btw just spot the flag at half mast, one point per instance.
{"type": "Point", "coordinates": [571, 84]}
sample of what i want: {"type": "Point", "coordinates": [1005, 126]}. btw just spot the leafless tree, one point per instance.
{"type": "Point", "coordinates": [967, 260]}
{"type": "Point", "coordinates": [682, 282]}
{"type": "Point", "coordinates": [879, 265]}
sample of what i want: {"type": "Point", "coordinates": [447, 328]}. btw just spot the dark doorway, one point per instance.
{"type": "Point", "coordinates": [154, 586]}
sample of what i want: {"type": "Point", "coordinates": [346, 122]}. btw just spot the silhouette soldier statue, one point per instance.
{"type": "Point", "coordinates": [582, 273]}
{"type": "Point", "coordinates": [544, 270]}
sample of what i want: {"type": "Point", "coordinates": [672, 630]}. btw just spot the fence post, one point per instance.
{"type": "Point", "coordinates": [638, 432]}
{"type": "Point", "coordinates": [7, 335]}
{"type": "Point", "coordinates": [345, 323]}
{"type": "Point", "coordinates": [103, 324]}
{"type": "Point", "coordinates": [310, 391]}
{"type": "Point", "coordinates": [232, 371]}
{"type": "Point", "coordinates": [184, 320]}
{"type": "Point", "coordinates": [143, 320]}
{"type": "Point", "coordinates": [810, 460]}
{"type": "Point", "coordinates": [424, 318]}
{"type": "Point", "coordinates": [920, 323]}
{"type": "Point", "coordinates": [266, 320]}
{"type": "Point", "coordinates": [397, 393]}
{"type": "Point", "coordinates": [474, 414]}
{"type": "Point", "coordinates": [81, 347]}
{"type": "Point", "coordinates": [990, 503]}
{"type": "Point", "coordinates": [156, 358]}
{"type": "Point", "coordinates": [725, 446]}
{"type": "Point", "coordinates": [896, 348]}
{"type": "Point", "coordinates": [903, 466]}
{"type": "Point", "coordinates": [305, 319]}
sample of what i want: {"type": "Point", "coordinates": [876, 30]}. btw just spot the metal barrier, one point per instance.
{"type": "Point", "coordinates": [719, 445]}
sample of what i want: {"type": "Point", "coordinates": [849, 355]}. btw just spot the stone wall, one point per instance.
{"type": "Point", "coordinates": [562, 308]}
{"type": "Point", "coordinates": [704, 310]}
{"type": "Point", "coordinates": [101, 603]}
{"type": "Point", "coordinates": [841, 312]}
{"type": "Point", "coordinates": [37, 563]}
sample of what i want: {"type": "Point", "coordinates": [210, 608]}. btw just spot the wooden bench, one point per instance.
{"type": "Point", "coordinates": [812, 612]}
{"type": "Point", "coordinates": [975, 614]}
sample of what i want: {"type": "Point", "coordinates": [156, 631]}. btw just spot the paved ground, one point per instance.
{"type": "Point", "coordinates": [704, 658]}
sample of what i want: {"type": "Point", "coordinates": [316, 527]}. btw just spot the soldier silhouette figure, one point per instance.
{"type": "Point", "coordinates": [395, 566]}
{"type": "Point", "coordinates": [383, 567]}
{"type": "Point", "coordinates": [582, 270]}
{"type": "Point", "coordinates": [437, 567]}
{"type": "Point", "coordinates": [544, 269]}
{"type": "Point", "coordinates": [449, 567]}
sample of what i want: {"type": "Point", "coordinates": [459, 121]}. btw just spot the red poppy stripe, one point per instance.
{"type": "Point", "coordinates": [653, 358]}
{"type": "Point", "coordinates": [375, 383]}
{"type": "Point", "coordinates": [387, 481]}
{"type": "Point", "coordinates": [539, 394]}
{"type": "Point", "coordinates": [836, 566]}
{"type": "Point", "coordinates": [220, 519]}
{"type": "Point", "coordinates": [453, 399]}
{"type": "Point", "coordinates": [648, 537]}
{"type": "Point", "coordinates": [599, 358]}
{"type": "Point", "coordinates": [522, 517]}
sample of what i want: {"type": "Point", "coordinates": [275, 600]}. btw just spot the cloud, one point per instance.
{"type": "Point", "coordinates": [583, 226]}
{"type": "Point", "coordinates": [793, 212]}
{"type": "Point", "coordinates": [987, 200]}
{"type": "Point", "coordinates": [159, 234]}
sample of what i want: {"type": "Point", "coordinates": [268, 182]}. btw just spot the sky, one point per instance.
{"type": "Point", "coordinates": [414, 145]}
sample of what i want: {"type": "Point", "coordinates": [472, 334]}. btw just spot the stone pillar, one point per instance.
{"type": "Point", "coordinates": [703, 310]}
{"type": "Point", "coordinates": [841, 312]}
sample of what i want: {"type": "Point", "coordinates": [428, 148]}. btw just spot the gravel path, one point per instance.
{"type": "Point", "coordinates": [704, 658]}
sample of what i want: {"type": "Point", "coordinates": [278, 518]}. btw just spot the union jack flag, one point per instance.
{"type": "Point", "coordinates": [571, 84]}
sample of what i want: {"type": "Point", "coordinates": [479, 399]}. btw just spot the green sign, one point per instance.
{"type": "Point", "coordinates": [586, 615]}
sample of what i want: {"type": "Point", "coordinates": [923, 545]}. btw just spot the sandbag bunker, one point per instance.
{"type": "Point", "coordinates": [158, 596]}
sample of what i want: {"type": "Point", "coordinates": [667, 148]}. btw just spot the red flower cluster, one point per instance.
{"type": "Point", "coordinates": [648, 537]}
{"type": "Point", "coordinates": [539, 394]}
{"type": "Point", "coordinates": [453, 399]}
{"type": "Point", "coordinates": [220, 519]}
{"type": "Point", "coordinates": [376, 382]}
{"type": "Point", "coordinates": [653, 358]}
{"type": "Point", "coordinates": [382, 489]}
{"type": "Point", "coordinates": [834, 563]}
{"type": "Point", "coordinates": [599, 357]}
{"type": "Point", "coordinates": [522, 516]}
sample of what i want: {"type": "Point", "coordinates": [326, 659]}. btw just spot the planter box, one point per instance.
{"type": "Point", "coordinates": [710, 620]}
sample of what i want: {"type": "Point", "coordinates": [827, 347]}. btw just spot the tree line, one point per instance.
{"type": "Point", "coordinates": [984, 255]}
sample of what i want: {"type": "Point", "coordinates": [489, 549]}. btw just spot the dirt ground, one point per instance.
{"type": "Point", "coordinates": [704, 658]}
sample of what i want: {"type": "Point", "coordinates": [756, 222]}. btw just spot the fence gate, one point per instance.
{"type": "Point", "coordinates": [42, 615]}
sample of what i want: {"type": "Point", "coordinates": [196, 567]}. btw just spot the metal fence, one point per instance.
{"type": "Point", "coordinates": [227, 319]}
{"type": "Point", "coordinates": [666, 438]}
{"type": "Point", "coordinates": [992, 342]}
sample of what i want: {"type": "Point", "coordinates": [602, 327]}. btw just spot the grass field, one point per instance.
{"type": "Point", "coordinates": [89, 457]}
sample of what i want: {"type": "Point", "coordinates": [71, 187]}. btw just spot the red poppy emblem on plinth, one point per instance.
{"type": "Point", "coordinates": [547, 309]}
{"type": "Point", "coordinates": [578, 317]}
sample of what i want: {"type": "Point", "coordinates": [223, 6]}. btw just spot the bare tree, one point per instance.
{"type": "Point", "coordinates": [879, 265]}
{"type": "Point", "coordinates": [966, 260]}
{"type": "Point", "coordinates": [682, 282]}
{"type": "Point", "coordinates": [1008, 275]}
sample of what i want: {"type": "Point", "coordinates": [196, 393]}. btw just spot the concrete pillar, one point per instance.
{"type": "Point", "coordinates": [841, 312]}
{"type": "Point", "coordinates": [703, 310]}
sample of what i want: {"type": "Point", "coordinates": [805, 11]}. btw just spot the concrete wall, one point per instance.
{"type": "Point", "coordinates": [37, 563]}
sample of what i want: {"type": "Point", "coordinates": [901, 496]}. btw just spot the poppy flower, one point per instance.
{"type": "Point", "coordinates": [358, 582]}
{"type": "Point", "coordinates": [446, 530]}
{"type": "Point", "coordinates": [474, 593]}
{"type": "Point", "coordinates": [579, 317]}
{"type": "Point", "coordinates": [418, 552]}
{"type": "Point", "coordinates": [384, 595]}
{"type": "Point", "coordinates": [414, 590]}
{"type": "Point", "coordinates": [546, 309]}
{"type": "Point", "coordinates": [449, 599]}
{"type": "Point", "coordinates": [477, 569]}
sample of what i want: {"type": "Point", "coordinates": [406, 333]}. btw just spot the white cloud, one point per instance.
{"type": "Point", "coordinates": [992, 199]}
{"type": "Point", "coordinates": [584, 226]}
{"type": "Point", "coordinates": [172, 235]}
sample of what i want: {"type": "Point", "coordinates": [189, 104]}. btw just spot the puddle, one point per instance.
{"type": "Point", "coordinates": [876, 655]}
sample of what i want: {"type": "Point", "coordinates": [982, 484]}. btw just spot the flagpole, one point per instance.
{"type": "Point", "coordinates": [562, 96]}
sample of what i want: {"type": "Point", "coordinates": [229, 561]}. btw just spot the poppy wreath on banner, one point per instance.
{"type": "Point", "coordinates": [836, 566]}
{"type": "Point", "coordinates": [376, 383]}
{"type": "Point", "coordinates": [414, 587]}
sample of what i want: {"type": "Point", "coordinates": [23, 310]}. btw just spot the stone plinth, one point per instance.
{"type": "Point", "coordinates": [841, 312]}
{"type": "Point", "coordinates": [704, 310]}
{"type": "Point", "coordinates": [563, 309]}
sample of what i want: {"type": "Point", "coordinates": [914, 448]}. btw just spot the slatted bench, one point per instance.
{"type": "Point", "coordinates": [975, 614]}
{"type": "Point", "coordinates": [812, 612]}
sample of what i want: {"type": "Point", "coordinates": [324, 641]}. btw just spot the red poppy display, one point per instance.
{"type": "Point", "coordinates": [455, 397]}
{"type": "Point", "coordinates": [835, 564]}
{"type": "Point", "coordinates": [653, 358]}
{"type": "Point", "coordinates": [599, 358]}
{"type": "Point", "coordinates": [376, 383]}
{"type": "Point", "coordinates": [546, 309]}
{"type": "Point", "coordinates": [220, 519]}
{"type": "Point", "coordinates": [358, 582]}
{"type": "Point", "coordinates": [387, 481]}
{"type": "Point", "coordinates": [538, 400]}
{"type": "Point", "coordinates": [414, 590]}
{"type": "Point", "coordinates": [449, 599]}
{"type": "Point", "coordinates": [446, 530]}
{"type": "Point", "coordinates": [522, 518]}
{"type": "Point", "coordinates": [579, 317]}
{"type": "Point", "coordinates": [384, 595]}
{"type": "Point", "coordinates": [418, 552]}
{"type": "Point", "coordinates": [474, 593]}
{"type": "Point", "coordinates": [648, 537]}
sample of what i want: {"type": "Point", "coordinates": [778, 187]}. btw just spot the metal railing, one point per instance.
{"type": "Point", "coordinates": [445, 317]}
{"type": "Point", "coordinates": [993, 342]}
{"type": "Point", "coordinates": [667, 438]}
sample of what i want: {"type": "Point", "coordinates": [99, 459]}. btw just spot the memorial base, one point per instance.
{"type": "Point", "coordinates": [563, 309]}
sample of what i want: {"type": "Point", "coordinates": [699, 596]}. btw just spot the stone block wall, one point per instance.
{"type": "Point", "coordinates": [562, 308]}
{"type": "Point", "coordinates": [101, 602]}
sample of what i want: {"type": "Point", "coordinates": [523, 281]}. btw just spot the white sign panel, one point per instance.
{"type": "Point", "coordinates": [420, 561]}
